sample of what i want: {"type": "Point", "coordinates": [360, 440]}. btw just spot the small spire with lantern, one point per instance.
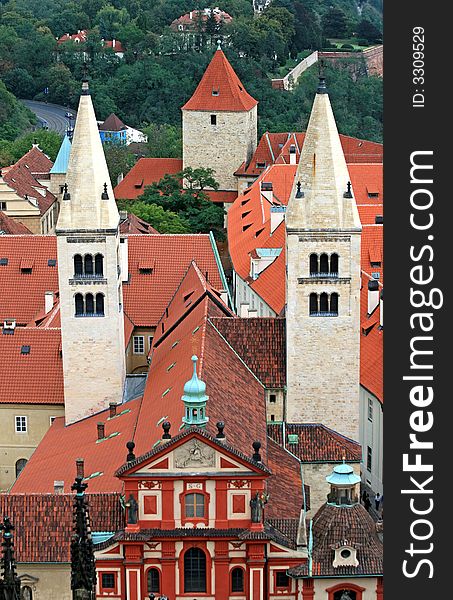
{"type": "Point", "coordinates": [195, 400]}
{"type": "Point", "coordinates": [343, 482]}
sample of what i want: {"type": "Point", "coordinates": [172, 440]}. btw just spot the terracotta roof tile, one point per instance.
{"type": "Point", "coordinates": [284, 485]}
{"type": "Point", "coordinates": [20, 178]}
{"type": "Point", "coordinates": [333, 525]}
{"type": "Point", "coordinates": [316, 442]}
{"type": "Point", "coordinates": [145, 172]}
{"type": "Point", "coordinates": [260, 342]}
{"type": "Point", "coordinates": [41, 517]}
{"type": "Point", "coordinates": [133, 224]}
{"type": "Point", "coordinates": [37, 162]}
{"type": "Point", "coordinates": [10, 226]}
{"type": "Point", "coordinates": [35, 377]}
{"type": "Point", "coordinates": [220, 89]}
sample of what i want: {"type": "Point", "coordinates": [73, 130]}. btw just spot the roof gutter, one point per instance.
{"type": "Point", "coordinates": [221, 271]}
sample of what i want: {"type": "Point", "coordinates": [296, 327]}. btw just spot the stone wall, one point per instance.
{"type": "Point", "coordinates": [223, 146]}
{"type": "Point", "coordinates": [323, 353]}
{"type": "Point", "coordinates": [290, 80]}
{"type": "Point", "coordinates": [48, 581]}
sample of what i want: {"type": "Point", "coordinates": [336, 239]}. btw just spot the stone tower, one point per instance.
{"type": "Point", "coordinates": [219, 123]}
{"type": "Point", "coordinates": [323, 282]}
{"type": "Point", "coordinates": [91, 304]}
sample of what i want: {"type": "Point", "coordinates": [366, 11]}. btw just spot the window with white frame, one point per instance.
{"type": "Point", "coordinates": [21, 424]}
{"type": "Point", "coordinates": [370, 409]}
{"type": "Point", "coordinates": [139, 344]}
{"type": "Point", "coordinates": [150, 341]}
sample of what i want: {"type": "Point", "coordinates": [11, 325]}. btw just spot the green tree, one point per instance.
{"type": "Point", "coordinates": [164, 141]}
{"type": "Point", "coordinates": [49, 142]}
{"type": "Point", "coordinates": [165, 221]}
{"type": "Point", "coordinates": [62, 86]}
{"type": "Point", "coordinates": [335, 23]}
{"type": "Point", "coordinates": [110, 21]}
{"type": "Point", "coordinates": [15, 118]}
{"type": "Point", "coordinates": [119, 159]}
{"type": "Point", "coordinates": [368, 31]}
{"type": "Point", "coordinates": [20, 82]}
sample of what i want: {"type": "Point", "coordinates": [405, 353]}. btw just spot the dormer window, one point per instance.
{"type": "Point", "coordinates": [261, 165]}
{"type": "Point", "coordinates": [215, 92]}
{"type": "Point", "coordinates": [345, 555]}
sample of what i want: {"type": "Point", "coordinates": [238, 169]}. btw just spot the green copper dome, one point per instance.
{"type": "Point", "coordinates": [195, 400]}
{"type": "Point", "coordinates": [343, 475]}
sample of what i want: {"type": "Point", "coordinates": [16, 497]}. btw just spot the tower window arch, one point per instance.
{"type": "Point", "coordinates": [194, 570]}
{"type": "Point", "coordinates": [89, 304]}
{"type": "Point", "coordinates": [100, 304]}
{"type": "Point", "coordinates": [99, 264]}
{"type": "Point", "coordinates": [323, 303]}
{"type": "Point", "coordinates": [334, 264]}
{"type": "Point", "coordinates": [88, 264]}
{"type": "Point", "coordinates": [79, 304]}
{"type": "Point", "coordinates": [324, 264]}
{"type": "Point", "coordinates": [314, 309]}
{"type": "Point", "coordinates": [314, 264]}
{"type": "Point", "coordinates": [78, 265]}
{"type": "Point", "coordinates": [334, 303]}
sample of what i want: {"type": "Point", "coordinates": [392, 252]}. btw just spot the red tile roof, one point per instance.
{"type": "Point", "coordinates": [36, 161]}
{"type": "Point", "coordinates": [10, 226]}
{"type": "Point", "coordinates": [371, 346]}
{"type": "Point", "coordinates": [39, 518]}
{"type": "Point", "coordinates": [260, 342]}
{"type": "Point", "coordinates": [118, 47]}
{"type": "Point", "coordinates": [145, 172]}
{"type": "Point", "coordinates": [315, 442]}
{"type": "Point", "coordinates": [220, 89]}
{"type": "Point", "coordinates": [22, 295]}
{"type": "Point", "coordinates": [145, 295]}
{"type": "Point", "coordinates": [37, 376]}
{"type": "Point", "coordinates": [20, 178]}
{"type": "Point", "coordinates": [190, 21]}
{"type": "Point", "coordinates": [222, 196]}
{"type": "Point", "coordinates": [285, 486]}
{"type": "Point", "coordinates": [80, 37]}
{"type": "Point", "coordinates": [134, 224]}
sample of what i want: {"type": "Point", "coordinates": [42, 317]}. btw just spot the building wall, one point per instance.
{"type": "Point", "coordinates": [368, 583]}
{"type": "Point", "coordinates": [248, 303]}
{"type": "Point", "coordinates": [315, 476]}
{"type": "Point", "coordinates": [14, 446]}
{"type": "Point", "coordinates": [93, 347]}
{"type": "Point", "coordinates": [54, 580]}
{"type": "Point", "coordinates": [323, 353]}
{"type": "Point", "coordinates": [275, 404]}
{"type": "Point", "coordinates": [371, 436]}
{"type": "Point", "coordinates": [137, 362]}
{"type": "Point", "coordinates": [222, 147]}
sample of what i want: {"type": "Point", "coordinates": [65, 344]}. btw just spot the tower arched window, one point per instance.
{"type": "Point", "coordinates": [314, 304]}
{"type": "Point", "coordinates": [79, 304]}
{"type": "Point", "coordinates": [78, 265]}
{"type": "Point", "coordinates": [20, 464]}
{"type": "Point", "coordinates": [334, 264]}
{"type": "Point", "coordinates": [100, 305]}
{"type": "Point", "coordinates": [324, 264]}
{"type": "Point", "coordinates": [237, 580]}
{"type": "Point", "coordinates": [89, 304]}
{"type": "Point", "coordinates": [194, 570]}
{"type": "Point", "coordinates": [88, 264]}
{"type": "Point", "coordinates": [334, 303]}
{"type": "Point", "coordinates": [99, 264]}
{"type": "Point", "coordinates": [314, 264]}
{"type": "Point", "coordinates": [324, 303]}
{"type": "Point", "coordinates": [153, 581]}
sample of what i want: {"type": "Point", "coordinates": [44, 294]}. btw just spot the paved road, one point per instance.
{"type": "Point", "coordinates": [51, 115]}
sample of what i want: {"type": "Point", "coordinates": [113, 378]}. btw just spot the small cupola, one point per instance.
{"type": "Point", "coordinates": [195, 400]}
{"type": "Point", "coordinates": [343, 486]}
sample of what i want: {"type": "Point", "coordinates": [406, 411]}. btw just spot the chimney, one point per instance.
{"type": "Point", "coordinates": [373, 295]}
{"type": "Point", "coordinates": [101, 430]}
{"type": "Point", "coordinates": [113, 43]}
{"type": "Point", "coordinates": [277, 216]}
{"type": "Point", "coordinates": [267, 190]}
{"type": "Point", "coordinates": [124, 259]}
{"type": "Point", "coordinates": [112, 407]}
{"type": "Point", "coordinates": [48, 302]}
{"type": "Point", "coordinates": [292, 154]}
{"type": "Point", "coordinates": [381, 310]}
{"type": "Point", "coordinates": [80, 471]}
{"type": "Point", "coordinates": [58, 487]}
{"type": "Point", "coordinates": [190, 15]}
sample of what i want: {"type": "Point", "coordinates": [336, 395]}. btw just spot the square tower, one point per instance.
{"type": "Point", "coordinates": [323, 282]}
{"type": "Point", "coordinates": [219, 123]}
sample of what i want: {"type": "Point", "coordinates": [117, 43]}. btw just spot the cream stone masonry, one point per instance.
{"type": "Point", "coordinates": [323, 352]}
{"type": "Point", "coordinates": [223, 146]}
{"type": "Point", "coordinates": [92, 345]}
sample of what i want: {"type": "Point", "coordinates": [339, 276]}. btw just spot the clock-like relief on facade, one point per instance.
{"type": "Point", "coordinates": [194, 454]}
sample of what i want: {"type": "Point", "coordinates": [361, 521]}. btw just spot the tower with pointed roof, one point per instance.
{"type": "Point", "coordinates": [91, 303]}
{"type": "Point", "coordinates": [323, 281]}
{"type": "Point", "coordinates": [195, 400]}
{"type": "Point", "coordinates": [219, 123]}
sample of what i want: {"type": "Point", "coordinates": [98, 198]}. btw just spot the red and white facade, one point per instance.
{"type": "Point", "coordinates": [194, 536]}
